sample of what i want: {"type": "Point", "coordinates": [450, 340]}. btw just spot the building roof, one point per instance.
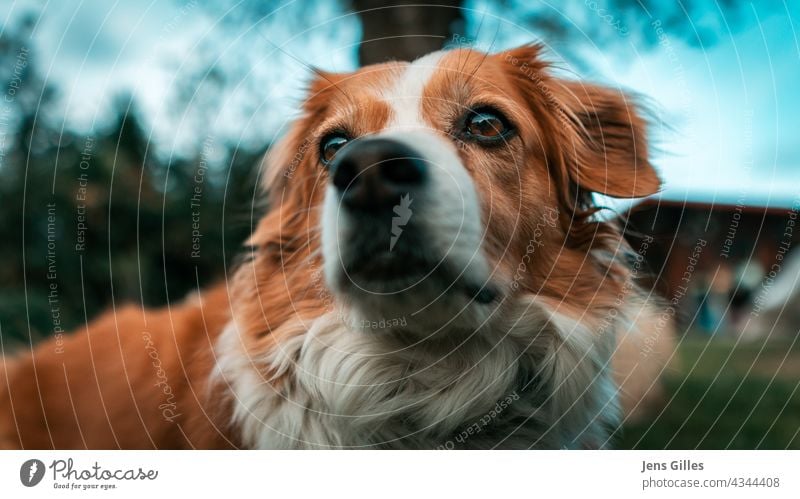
{"type": "Point", "coordinates": [709, 197]}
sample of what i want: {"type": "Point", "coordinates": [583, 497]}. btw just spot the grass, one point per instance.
{"type": "Point", "coordinates": [726, 396]}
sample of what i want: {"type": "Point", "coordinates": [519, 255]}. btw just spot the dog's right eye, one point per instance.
{"type": "Point", "coordinates": [330, 145]}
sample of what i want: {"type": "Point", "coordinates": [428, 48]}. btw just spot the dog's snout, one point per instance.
{"type": "Point", "coordinates": [376, 173]}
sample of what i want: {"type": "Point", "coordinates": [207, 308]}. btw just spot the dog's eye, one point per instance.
{"type": "Point", "coordinates": [486, 125]}
{"type": "Point", "coordinates": [330, 145]}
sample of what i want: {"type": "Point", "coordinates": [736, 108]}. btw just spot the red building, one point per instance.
{"type": "Point", "coordinates": [728, 264]}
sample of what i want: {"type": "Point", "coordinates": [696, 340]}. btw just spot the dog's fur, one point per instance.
{"type": "Point", "coordinates": [279, 356]}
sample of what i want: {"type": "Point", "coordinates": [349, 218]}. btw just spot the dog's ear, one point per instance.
{"type": "Point", "coordinates": [285, 156]}
{"type": "Point", "coordinates": [601, 131]}
{"type": "Point", "coordinates": [318, 93]}
{"type": "Point", "coordinates": [609, 153]}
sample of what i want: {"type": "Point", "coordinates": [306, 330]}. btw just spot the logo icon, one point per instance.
{"type": "Point", "coordinates": [31, 472]}
{"type": "Point", "coordinates": [403, 214]}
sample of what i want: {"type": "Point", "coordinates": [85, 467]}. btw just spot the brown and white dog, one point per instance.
{"type": "Point", "coordinates": [431, 273]}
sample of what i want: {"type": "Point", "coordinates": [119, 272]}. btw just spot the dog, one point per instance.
{"type": "Point", "coordinates": [432, 272]}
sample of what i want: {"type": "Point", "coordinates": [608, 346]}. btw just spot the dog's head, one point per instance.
{"type": "Point", "coordinates": [437, 190]}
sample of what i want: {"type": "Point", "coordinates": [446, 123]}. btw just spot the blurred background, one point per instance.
{"type": "Point", "coordinates": [131, 133]}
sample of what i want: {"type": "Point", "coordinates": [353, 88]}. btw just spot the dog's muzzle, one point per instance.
{"type": "Point", "coordinates": [378, 184]}
{"type": "Point", "coordinates": [402, 227]}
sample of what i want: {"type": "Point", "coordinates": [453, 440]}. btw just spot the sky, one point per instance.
{"type": "Point", "coordinates": [727, 111]}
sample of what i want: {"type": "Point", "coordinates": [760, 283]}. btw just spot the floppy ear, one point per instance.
{"type": "Point", "coordinates": [320, 88]}
{"type": "Point", "coordinates": [609, 153]}
{"type": "Point", "coordinates": [284, 156]}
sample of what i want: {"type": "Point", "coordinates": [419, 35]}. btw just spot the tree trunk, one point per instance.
{"type": "Point", "coordinates": [404, 29]}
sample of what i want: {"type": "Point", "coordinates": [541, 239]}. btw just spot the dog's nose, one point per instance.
{"type": "Point", "coordinates": [375, 173]}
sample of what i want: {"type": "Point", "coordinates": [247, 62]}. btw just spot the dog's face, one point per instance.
{"type": "Point", "coordinates": [440, 189]}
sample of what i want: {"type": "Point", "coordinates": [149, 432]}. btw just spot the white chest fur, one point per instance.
{"type": "Point", "coordinates": [537, 381]}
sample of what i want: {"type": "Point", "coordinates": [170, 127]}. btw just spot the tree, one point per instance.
{"type": "Point", "coordinates": [408, 29]}
{"type": "Point", "coordinates": [405, 29]}
{"type": "Point", "coordinates": [99, 218]}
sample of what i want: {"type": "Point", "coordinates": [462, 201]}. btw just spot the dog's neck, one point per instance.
{"type": "Point", "coordinates": [324, 383]}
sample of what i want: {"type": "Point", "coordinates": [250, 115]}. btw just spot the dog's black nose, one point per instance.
{"type": "Point", "coordinates": [376, 173]}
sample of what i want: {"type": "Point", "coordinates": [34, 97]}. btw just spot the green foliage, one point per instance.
{"type": "Point", "coordinates": [91, 220]}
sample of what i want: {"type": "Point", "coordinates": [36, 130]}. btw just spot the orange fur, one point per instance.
{"type": "Point", "coordinates": [100, 389]}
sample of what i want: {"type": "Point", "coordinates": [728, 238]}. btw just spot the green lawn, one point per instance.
{"type": "Point", "coordinates": [723, 396]}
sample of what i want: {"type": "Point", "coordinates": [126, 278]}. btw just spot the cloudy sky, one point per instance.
{"type": "Point", "coordinates": [732, 104]}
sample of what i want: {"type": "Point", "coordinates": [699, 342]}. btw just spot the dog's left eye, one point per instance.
{"type": "Point", "coordinates": [330, 144]}
{"type": "Point", "coordinates": [486, 125]}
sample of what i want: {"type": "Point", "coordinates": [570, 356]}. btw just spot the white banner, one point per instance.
{"type": "Point", "coordinates": [385, 474]}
